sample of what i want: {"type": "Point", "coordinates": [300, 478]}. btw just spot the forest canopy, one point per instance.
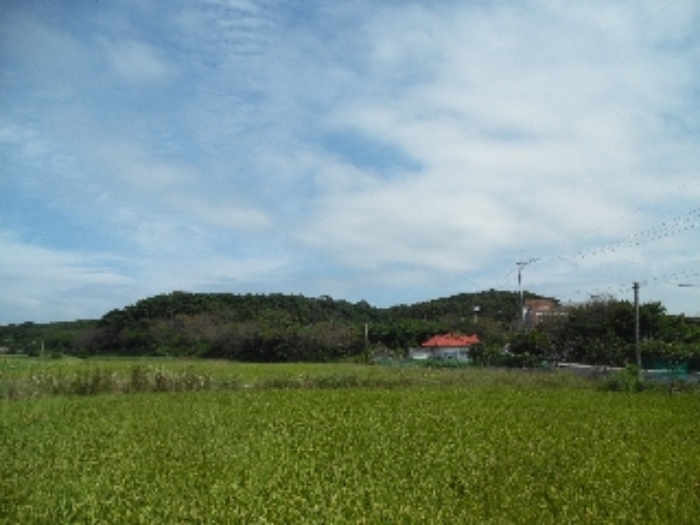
{"type": "Point", "coordinates": [279, 327]}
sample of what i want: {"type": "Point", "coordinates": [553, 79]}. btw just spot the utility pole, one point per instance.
{"type": "Point", "coordinates": [637, 350]}
{"type": "Point", "coordinates": [367, 342]}
{"type": "Point", "coordinates": [521, 265]}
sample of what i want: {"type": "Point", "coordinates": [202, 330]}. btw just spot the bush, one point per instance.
{"type": "Point", "coordinates": [627, 380]}
{"type": "Point", "coordinates": [445, 363]}
{"type": "Point", "coordinates": [487, 355]}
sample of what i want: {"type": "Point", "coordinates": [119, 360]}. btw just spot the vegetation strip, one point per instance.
{"type": "Point", "coordinates": [23, 379]}
{"type": "Point", "coordinates": [287, 328]}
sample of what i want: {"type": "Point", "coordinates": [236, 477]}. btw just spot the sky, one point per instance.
{"type": "Point", "coordinates": [392, 152]}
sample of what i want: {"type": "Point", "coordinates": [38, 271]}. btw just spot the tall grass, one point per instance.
{"type": "Point", "coordinates": [27, 378]}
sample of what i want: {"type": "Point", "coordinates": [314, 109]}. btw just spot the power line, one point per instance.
{"type": "Point", "coordinates": [668, 228]}
{"type": "Point", "coordinates": [676, 225]}
{"type": "Point", "coordinates": [640, 209]}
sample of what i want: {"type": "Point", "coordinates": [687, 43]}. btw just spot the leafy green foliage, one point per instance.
{"type": "Point", "coordinates": [290, 328]}
{"type": "Point", "coordinates": [627, 380]}
{"type": "Point", "coordinates": [58, 337]}
{"type": "Point", "coordinates": [264, 328]}
{"type": "Point", "coordinates": [602, 332]}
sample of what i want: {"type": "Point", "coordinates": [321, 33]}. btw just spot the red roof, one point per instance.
{"type": "Point", "coordinates": [452, 340]}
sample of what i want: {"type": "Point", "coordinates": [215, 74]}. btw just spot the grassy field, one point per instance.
{"type": "Point", "coordinates": [343, 444]}
{"type": "Point", "coordinates": [22, 377]}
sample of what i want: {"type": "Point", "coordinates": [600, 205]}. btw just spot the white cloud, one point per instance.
{"type": "Point", "coordinates": [504, 110]}
{"type": "Point", "coordinates": [50, 58]}
{"type": "Point", "coordinates": [43, 284]}
{"type": "Point", "coordinates": [136, 61]}
{"type": "Point", "coordinates": [548, 126]}
{"type": "Point", "coordinates": [62, 268]}
{"type": "Point", "coordinates": [233, 216]}
{"type": "Point", "coordinates": [132, 165]}
{"type": "Point", "coordinates": [360, 147]}
{"type": "Point", "coordinates": [23, 140]}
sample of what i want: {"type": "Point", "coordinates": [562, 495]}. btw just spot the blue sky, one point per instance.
{"type": "Point", "coordinates": [383, 151]}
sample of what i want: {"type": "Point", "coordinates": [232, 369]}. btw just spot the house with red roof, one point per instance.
{"type": "Point", "coordinates": [445, 346]}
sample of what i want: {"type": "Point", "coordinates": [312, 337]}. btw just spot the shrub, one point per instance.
{"type": "Point", "coordinates": [627, 380]}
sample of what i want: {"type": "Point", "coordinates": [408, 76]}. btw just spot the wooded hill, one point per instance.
{"type": "Point", "coordinates": [277, 327]}
{"type": "Point", "coordinates": [264, 327]}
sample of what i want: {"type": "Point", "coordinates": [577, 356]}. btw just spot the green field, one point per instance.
{"type": "Point", "coordinates": [341, 444]}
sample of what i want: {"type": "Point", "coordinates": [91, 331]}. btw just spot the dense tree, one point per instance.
{"type": "Point", "coordinates": [278, 327]}
{"type": "Point", "coordinates": [602, 331]}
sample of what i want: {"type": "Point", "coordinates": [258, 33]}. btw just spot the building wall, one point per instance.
{"type": "Point", "coordinates": [458, 353]}
{"type": "Point", "coordinates": [536, 309]}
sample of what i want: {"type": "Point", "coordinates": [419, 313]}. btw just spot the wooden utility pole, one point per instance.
{"type": "Point", "coordinates": [637, 350]}
{"type": "Point", "coordinates": [521, 265]}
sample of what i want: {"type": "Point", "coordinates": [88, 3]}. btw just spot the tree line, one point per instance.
{"type": "Point", "coordinates": [279, 327]}
{"type": "Point", "coordinates": [602, 331]}
{"type": "Point", "coordinates": [263, 327]}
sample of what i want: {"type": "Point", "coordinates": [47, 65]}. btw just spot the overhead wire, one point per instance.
{"type": "Point", "coordinates": [668, 228]}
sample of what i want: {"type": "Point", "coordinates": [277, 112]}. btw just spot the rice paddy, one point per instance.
{"type": "Point", "coordinates": [343, 444]}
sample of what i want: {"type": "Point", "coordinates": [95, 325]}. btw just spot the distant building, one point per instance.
{"type": "Point", "coordinates": [536, 310]}
{"type": "Point", "coordinates": [445, 346]}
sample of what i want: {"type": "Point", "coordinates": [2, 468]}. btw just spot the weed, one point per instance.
{"type": "Point", "coordinates": [628, 379]}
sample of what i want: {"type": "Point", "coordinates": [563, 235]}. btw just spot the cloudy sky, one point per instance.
{"type": "Point", "coordinates": [391, 151]}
